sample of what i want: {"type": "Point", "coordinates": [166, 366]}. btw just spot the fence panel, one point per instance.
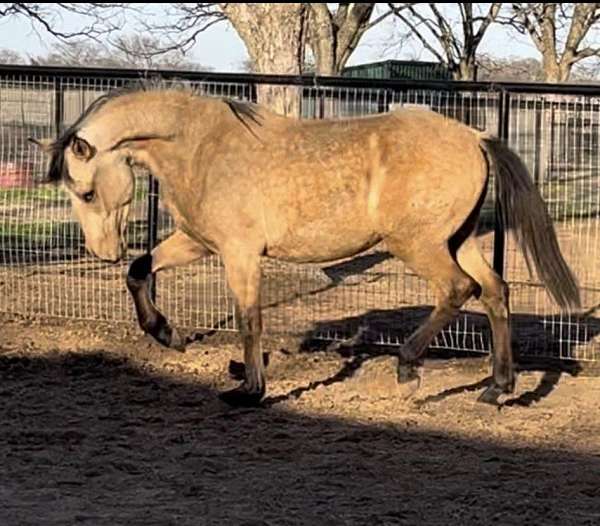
{"type": "Point", "coordinates": [44, 269]}
{"type": "Point", "coordinates": [557, 136]}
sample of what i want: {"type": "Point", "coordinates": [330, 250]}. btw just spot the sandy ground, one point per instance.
{"type": "Point", "coordinates": [99, 426]}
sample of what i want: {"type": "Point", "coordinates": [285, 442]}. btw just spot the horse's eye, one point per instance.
{"type": "Point", "coordinates": [82, 149]}
{"type": "Point", "coordinates": [88, 197]}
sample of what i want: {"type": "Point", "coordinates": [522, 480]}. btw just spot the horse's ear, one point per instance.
{"type": "Point", "coordinates": [46, 145]}
{"type": "Point", "coordinates": [82, 149]}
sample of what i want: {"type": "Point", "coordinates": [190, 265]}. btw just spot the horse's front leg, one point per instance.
{"type": "Point", "coordinates": [243, 277]}
{"type": "Point", "coordinates": [178, 249]}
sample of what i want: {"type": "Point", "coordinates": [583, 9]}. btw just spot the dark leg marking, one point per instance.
{"type": "Point", "coordinates": [151, 320]}
{"type": "Point", "coordinates": [252, 390]}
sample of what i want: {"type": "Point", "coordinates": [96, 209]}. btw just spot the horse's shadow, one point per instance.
{"type": "Point", "coordinates": [540, 343]}
{"type": "Point", "coordinates": [536, 348]}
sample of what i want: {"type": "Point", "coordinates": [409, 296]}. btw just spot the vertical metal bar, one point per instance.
{"type": "Point", "coordinates": [321, 107]}
{"type": "Point", "coordinates": [499, 232]}
{"type": "Point", "coordinates": [152, 224]}
{"type": "Point", "coordinates": [59, 104]}
{"type": "Point", "coordinates": [539, 143]}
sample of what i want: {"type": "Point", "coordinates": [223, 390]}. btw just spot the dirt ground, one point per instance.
{"type": "Point", "coordinates": [99, 426]}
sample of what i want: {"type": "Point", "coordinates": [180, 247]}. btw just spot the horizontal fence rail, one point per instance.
{"type": "Point", "coordinates": [45, 271]}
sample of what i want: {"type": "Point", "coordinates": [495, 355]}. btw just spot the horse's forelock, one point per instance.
{"type": "Point", "coordinates": [56, 169]}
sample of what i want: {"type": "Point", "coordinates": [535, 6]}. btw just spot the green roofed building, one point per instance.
{"type": "Point", "coordinates": [399, 70]}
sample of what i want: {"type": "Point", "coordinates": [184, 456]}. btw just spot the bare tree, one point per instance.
{"type": "Point", "coordinates": [76, 53]}
{"type": "Point", "coordinates": [331, 30]}
{"type": "Point", "coordinates": [451, 39]}
{"type": "Point", "coordinates": [509, 69]}
{"type": "Point", "coordinates": [272, 33]}
{"type": "Point", "coordinates": [97, 19]}
{"type": "Point", "coordinates": [277, 36]}
{"type": "Point", "coordinates": [139, 51]}
{"type": "Point", "coordinates": [10, 56]}
{"type": "Point", "coordinates": [334, 33]}
{"type": "Point", "coordinates": [134, 52]}
{"type": "Point", "coordinates": [560, 32]}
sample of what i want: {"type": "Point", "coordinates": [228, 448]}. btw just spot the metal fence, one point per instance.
{"type": "Point", "coordinates": [44, 270]}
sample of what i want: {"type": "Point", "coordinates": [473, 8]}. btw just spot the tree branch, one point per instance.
{"type": "Point", "coordinates": [102, 16]}
{"type": "Point", "coordinates": [584, 16]}
{"type": "Point", "coordinates": [413, 28]}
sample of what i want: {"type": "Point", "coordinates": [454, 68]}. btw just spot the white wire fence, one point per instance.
{"type": "Point", "coordinates": [44, 270]}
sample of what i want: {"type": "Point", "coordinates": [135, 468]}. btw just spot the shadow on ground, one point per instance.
{"type": "Point", "coordinates": [398, 324]}
{"type": "Point", "coordinates": [97, 439]}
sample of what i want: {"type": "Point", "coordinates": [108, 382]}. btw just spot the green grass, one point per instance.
{"type": "Point", "coordinates": [49, 194]}
{"type": "Point", "coordinates": [41, 235]}
{"type": "Point", "coordinates": [53, 235]}
{"type": "Point", "coordinates": [20, 195]}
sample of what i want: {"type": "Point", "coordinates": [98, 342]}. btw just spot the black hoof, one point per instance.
{"type": "Point", "coordinates": [409, 372]}
{"type": "Point", "coordinates": [491, 395]}
{"type": "Point", "coordinates": [237, 370]}
{"type": "Point", "coordinates": [242, 397]}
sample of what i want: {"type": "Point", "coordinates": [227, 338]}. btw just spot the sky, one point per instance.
{"type": "Point", "coordinates": [222, 50]}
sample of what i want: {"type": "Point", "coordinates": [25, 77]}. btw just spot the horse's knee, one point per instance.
{"type": "Point", "coordinates": [463, 290]}
{"type": "Point", "coordinates": [460, 291]}
{"type": "Point", "coordinates": [140, 267]}
{"type": "Point", "coordinates": [496, 299]}
{"type": "Point", "coordinates": [139, 274]}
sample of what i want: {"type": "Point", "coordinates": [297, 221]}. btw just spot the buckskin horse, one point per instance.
{"type": "Point", "coordinates": [243, 182]}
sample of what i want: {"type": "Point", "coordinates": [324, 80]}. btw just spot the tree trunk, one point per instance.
{"type": "Point", "coordinates": [465, 69]}
{"type": "Point", "coordinates": [273, 35]}
{"type": "Point", "coordinates": [334, 36]}
{"type": "Point", "coordinates": [556, 72]}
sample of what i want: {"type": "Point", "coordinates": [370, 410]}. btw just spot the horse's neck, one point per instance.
{"type": "Point", "coordinates": [146, 115]}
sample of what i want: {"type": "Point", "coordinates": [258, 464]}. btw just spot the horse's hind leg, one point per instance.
{"type": "Point", "coordinates": [494, 297]}
{"type": "Point", "coordinates": [176, 250]}
{"type": "Point", "coordinates": [243, 277]}
{"type": "Point", "coordinates": [453, 288]}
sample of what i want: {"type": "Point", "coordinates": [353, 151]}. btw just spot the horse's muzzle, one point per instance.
{"type": "Point", "coordinates": [109, 256]}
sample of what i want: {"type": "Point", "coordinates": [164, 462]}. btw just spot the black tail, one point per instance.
{"type": "Point", "coordinates": [523, 210]}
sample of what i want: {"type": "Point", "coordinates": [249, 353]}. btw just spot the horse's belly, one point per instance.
{"type": "Point", "coordinates": [317, 243]}
{"type": "Point", "coordinates": [321, 220]}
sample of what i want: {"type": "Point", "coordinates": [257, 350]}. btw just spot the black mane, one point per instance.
{"type": "Point", "coordinates": [57, 159]}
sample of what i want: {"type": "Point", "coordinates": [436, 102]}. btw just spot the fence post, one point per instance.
{"type": "Point", "coordinates": [59, 105]}
{"type": "Point", "coordinates": [499, 232]}
{"type": "Point", "coordinates": [152, 224]}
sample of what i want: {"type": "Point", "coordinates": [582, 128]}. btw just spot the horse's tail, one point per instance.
{"type": "Point", "coordinates": [523, 210]}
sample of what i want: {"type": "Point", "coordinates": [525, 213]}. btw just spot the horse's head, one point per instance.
{"type": "Point", "coordinates": [94, 158]}
{"type": "Point", "coordinates": [100, 184]}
